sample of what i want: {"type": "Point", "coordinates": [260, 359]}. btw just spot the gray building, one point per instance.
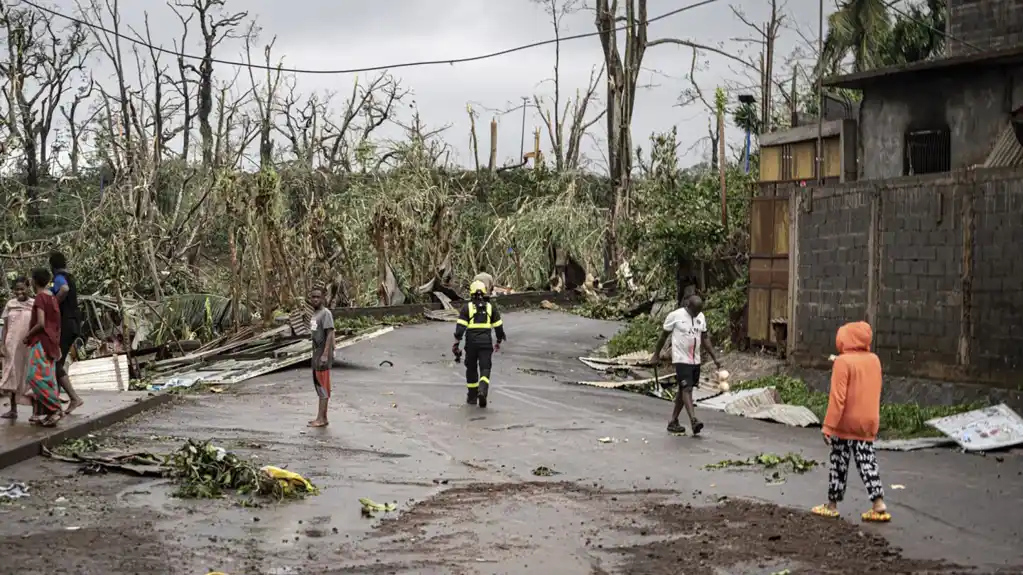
{"type": "Point", "coordinates": [963, 110]}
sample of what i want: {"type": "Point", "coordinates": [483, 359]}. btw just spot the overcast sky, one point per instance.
{"type": "Point", "coordinates": [343, 34]}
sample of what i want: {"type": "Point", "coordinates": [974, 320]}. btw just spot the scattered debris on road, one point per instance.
{"type": "Point", "coordinates": [544, 471]}
{"type": "Point", "coordinates": [796, 462]}
{"type": "Point", "coordinates": [200, 469]}
{"type": "Point", "coordinates": [203, 470]}
{"type": "Point", "coordinates": [13, 491]}
{"type": "Point", "coordinates": [243, 356]}
{"type": "Point", "coordinates": [369, 507]}
{"type": "Point", "coordinates": [987, 429]}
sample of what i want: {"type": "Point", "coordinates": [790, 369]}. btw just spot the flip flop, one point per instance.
{"type": "Point", "coordinates": [824, 511]}
{"type": "Point", "coordinates": [876, 516]}
{"type": "Point", "coordinates": [52, 420]}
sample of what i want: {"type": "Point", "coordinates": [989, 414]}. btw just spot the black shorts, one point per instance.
{"type": "Point", "coordinates": [687, 375]}
{"type": "Point", "coordinates": [65, 349]}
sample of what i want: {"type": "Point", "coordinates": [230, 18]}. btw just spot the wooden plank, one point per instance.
{"type": "Point", "coordinates": [770, 164]}
{"type": "Point", "coordinates": [759, 314]}
{"type": "Point", "coordinates": [779, 308]}
{"type": "Point", "coordinates": [762, 227]}
{"type": "Point", "coordinates": [833, 157]}
{"type": "Point", "coordinates": [760, 272]}
{"type": "Point", "coordinates": [780, 273]}
{"type": "Point", "coordinates": [803, 158]}
{"type": "Point", "coordinates": [781, 227]}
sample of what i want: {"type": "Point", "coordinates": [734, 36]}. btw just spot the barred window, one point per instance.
{"type": "Point", "coordinates": [927, 152]}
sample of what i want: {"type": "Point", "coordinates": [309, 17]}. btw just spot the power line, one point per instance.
{"type": "Point", "coordinates": [452, 61]}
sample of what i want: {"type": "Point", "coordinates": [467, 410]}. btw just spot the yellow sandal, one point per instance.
{"type": "Point", "coordinates": [877, 516]}
{"type": "Point", "coordinates": [824, 511]}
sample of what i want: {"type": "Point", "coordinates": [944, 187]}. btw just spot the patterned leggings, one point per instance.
{"type": "Point", "coordinates": [866, 462]}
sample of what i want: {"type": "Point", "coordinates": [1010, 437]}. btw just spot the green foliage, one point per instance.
{"type": "Point", "coordinates": [640, 334]}
{"type": "Point", "coordinates": [723, 308]}
{"type": "Point", "coordinates": [204, 471]}
{"type": "Point", "coordinates": [873, 34]}
{"type": "Point", "coordinates": [350, 325]}
{"type": "Point", "coordinates": [898, 420]}
{"type": "Point", "coordinates": [678, 216]}
{"type": "Point", "coordinates": [918, 35]}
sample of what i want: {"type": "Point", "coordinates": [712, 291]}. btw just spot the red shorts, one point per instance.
{"type": "Point", "coordinates": [321, 383]}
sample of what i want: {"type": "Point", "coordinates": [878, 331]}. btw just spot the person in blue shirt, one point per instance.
{"type": "Point", "coordinates": [66, 292]}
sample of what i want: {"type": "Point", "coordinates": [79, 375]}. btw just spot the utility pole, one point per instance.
{"type": "Point", "coordinates": [522, 136]}
{"type": "Point", "coordinates": [820, 94]}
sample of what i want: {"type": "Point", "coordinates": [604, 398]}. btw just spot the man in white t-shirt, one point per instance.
{"type": "Point", "coordinates": [688, 330]}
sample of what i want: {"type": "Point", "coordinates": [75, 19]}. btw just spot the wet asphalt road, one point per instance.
{"type": "Point", "coordinates": [403, 433]}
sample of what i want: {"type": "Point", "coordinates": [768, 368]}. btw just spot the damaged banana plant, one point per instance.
{"type": "Point", "coordinates": [200, 469]}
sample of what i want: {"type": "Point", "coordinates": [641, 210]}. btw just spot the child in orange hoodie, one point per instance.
{"type": "Point", "coordinates": [854, 413]}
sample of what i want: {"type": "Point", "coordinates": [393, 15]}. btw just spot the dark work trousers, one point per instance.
{"type": "Point", "coordinates": [477, 365]}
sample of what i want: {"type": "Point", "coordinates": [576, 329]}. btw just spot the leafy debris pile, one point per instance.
{"type": "Point", "coordinates": [200, 469]}
{"type": "Point", "coordinates": [73, 446]}
{"type": "Point", "coordinates": [205, 471]}
{"type": "Point", "coordinates": [769, 461]}
{"type": "Point", "coordinates": [544, 471]}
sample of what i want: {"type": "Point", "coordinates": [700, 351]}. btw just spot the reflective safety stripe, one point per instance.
{"type": "Point", "coordinates": [473, 324]}
{"type": "Point", "coordinates": [497, 323]}
{"type": "Point", "coordinates": [484, 380]}
{"type": "Point", "coordinates": [462, 322]}
{"type": "Point", "coordinates": [472, 385]}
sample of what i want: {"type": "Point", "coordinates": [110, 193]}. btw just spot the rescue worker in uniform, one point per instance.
{"type": "Point", "coordinates": [475, 320]}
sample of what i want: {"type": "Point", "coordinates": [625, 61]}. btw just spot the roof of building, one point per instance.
{"type": "Point", "coordinates": [859, 80]}
{"type": "Point", "coordinates": [828, 129]}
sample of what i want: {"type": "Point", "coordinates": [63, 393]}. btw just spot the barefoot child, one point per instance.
{"type": "Point", "coordinates": [852, 420]}
{"type": "Point", "coordinates": [322, 328]}
{"type": "Point", "coordinates": [17, 316]}
{"type": "Point", "coordinates": [43, 342]}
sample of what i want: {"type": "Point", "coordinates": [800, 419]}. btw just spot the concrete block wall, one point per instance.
{"type": "Point", "coordinates": [931, 261]}
{"type": "Point", "coordinates": [919, 273]}
{"type": "Point", "coordinates": [831, 275]}
{"type": "Point", "coordinates": [984, 24]}
{"type": "Point", "coordinates": [997, 277]}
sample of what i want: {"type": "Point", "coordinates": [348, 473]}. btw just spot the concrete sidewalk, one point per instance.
{"type": "Point", "coordinates": [20, 440]}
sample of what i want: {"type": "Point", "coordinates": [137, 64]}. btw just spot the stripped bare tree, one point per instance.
{"type": "Point", "coordinates": [42, 59]}
{"type": "Point", "coordinates": [215, 26]}
{"type": "Point", "coordinates": [574, 113]}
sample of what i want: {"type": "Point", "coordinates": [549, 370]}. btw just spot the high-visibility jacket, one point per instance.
{"type": "Point", "coordinates": [475, 321]}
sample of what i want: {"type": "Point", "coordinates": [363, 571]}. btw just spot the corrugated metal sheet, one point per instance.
{"type": "Point", "coordinates": [913, 444]}
{"type": "Point", "coordinates": [1007, 151]}
{"type": "Point", "coordinates": [227, 371]}
{"type": "Point", "coordinates": [793, 415]}
{"type": "Point", "coordinates": [751, 402]}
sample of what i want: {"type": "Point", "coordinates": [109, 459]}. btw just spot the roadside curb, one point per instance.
{"type": "Point", "coordinates": [33, 447]}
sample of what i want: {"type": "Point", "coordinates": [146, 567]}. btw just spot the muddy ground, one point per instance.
{"type": "Point", "coordinates": [468, 501]}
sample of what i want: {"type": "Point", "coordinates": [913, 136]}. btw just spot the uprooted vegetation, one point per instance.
{"type": "Point", "coordinates": [199, 470]}
{"type": "Point", "coordinates": [177, 182]}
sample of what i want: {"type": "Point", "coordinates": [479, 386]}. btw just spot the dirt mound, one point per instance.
{"type": "Point", "coordinates": [640, 532]}
{"type": "Point", "coordinates": [748, 537]}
